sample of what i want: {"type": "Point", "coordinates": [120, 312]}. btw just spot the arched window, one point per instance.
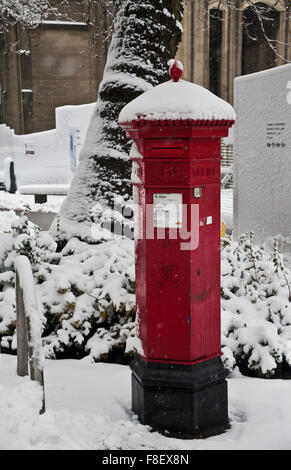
{"type": "Point", "coordinates": [256, 52]}
{"type": "Point", "coordinates": [215, 42]}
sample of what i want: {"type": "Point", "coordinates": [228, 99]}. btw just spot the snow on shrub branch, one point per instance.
{"type": "Point", "coordinates": [86, 299]}
{"type": "Point", "coordinates": [28, 13]}
{"type": "Point", "coordinates": [256, 308]}
{"type": "Point", "coordinates": [85, 292]}
{"type": "Point", "coordinates": [89, 300]}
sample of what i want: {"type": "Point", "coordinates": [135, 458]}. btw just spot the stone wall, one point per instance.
{"type": "Point", "coordinates": [195, 49]}
{"type": "Point", "coordinates": [63, 67]}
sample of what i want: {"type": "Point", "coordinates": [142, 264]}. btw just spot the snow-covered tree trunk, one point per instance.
{"type": "Point", "coordinates": [146, 35]}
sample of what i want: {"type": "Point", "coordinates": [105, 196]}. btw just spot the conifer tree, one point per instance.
{"type": "Point", "coordinates": [146, 35]}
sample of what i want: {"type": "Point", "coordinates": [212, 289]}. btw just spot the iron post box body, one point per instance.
{"type": "Point", "coordinates": [178, 380]}
{"type": "Point", "coordinates": [178, 291]}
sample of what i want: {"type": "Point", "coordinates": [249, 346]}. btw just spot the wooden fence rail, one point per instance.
{"type": "Point", "coordinates": [28, 326]}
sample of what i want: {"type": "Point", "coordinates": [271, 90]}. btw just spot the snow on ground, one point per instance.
{"type": "Point", "coordinates": [41, 214]}
{"type": "Point", "coordinates": [89, 407]}
{"type": "Point", "coordinates": [18, 201]}
{"type": "Point", "coordinates": [6, 219]}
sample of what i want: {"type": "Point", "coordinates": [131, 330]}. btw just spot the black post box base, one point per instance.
{"type": "Point", "coordinates": [181, 400]}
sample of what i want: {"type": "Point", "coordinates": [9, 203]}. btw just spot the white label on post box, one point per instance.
{"type": "Point", "coordinates": [197, 192]}
{"type": "Point", "coordinates": [168, 210]}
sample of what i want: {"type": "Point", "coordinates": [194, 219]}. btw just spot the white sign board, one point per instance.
{"type": "Point", "coordinates": [262, 154]}
{"type": "Point", "coordinates": [49, 157]}
{"type": "Point", "coordinates": [168, 210]}
{"type": "Point", "coordinates": [29, 150]}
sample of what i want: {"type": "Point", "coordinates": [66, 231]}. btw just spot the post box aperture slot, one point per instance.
{"type": "Point", "coordinates": [166, 148]}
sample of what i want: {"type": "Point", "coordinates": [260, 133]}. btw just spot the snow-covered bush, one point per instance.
{"type": "Point", "coordinates": [256, 309]}
{"type": "Point", "coordinates": [88, 300]}
{"type": "Point", "coordinates": [26, 239]}
{"type": "Point", "coordinates": [85, 293]}
{"type": "Point", "coordinates": [86, 296]}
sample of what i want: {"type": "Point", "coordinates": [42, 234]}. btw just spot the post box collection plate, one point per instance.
{"type": "Point", "coordinates": [168, 210]}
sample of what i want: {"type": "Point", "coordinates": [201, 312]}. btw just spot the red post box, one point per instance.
{"type": "Point", "coordinates": [178, 380]}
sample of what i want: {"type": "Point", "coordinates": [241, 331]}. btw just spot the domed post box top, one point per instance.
{"type": "Point", "coordinates": [176, 107]}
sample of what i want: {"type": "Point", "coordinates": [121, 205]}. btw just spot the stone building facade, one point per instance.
{"type": "Point", "coordinates": [62, 67]}
{"type": "Point", "coordinates": [219, 45]}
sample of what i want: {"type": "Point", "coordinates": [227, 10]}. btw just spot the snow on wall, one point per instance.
{"type": "Point", "coordinates": [262, 153]}
{"type": "Point", "coordinates": [73, 121]}
{"type": "Point", "coordinates": [38, 158]}
{"type": "Point", "coordinates": [49, 157]}
{"type": "Point", "coordinates": [6, 144]}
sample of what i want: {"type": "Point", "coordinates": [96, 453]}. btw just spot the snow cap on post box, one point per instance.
{"type": "Point", "coordinates": [178, 100]}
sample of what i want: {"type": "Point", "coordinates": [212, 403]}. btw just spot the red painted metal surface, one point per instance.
{"type": "Point", "coordinates": [178, 291]}
{"type": "Point", "coordinates": [176, 71]}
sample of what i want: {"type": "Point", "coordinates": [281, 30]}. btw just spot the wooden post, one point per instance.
{"type": "Point", "coordinates": [21, 332]}
{"type": "Point", "coordinates": [36, 369]}
{"type": "Point", "coordinates": [29, 345]}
